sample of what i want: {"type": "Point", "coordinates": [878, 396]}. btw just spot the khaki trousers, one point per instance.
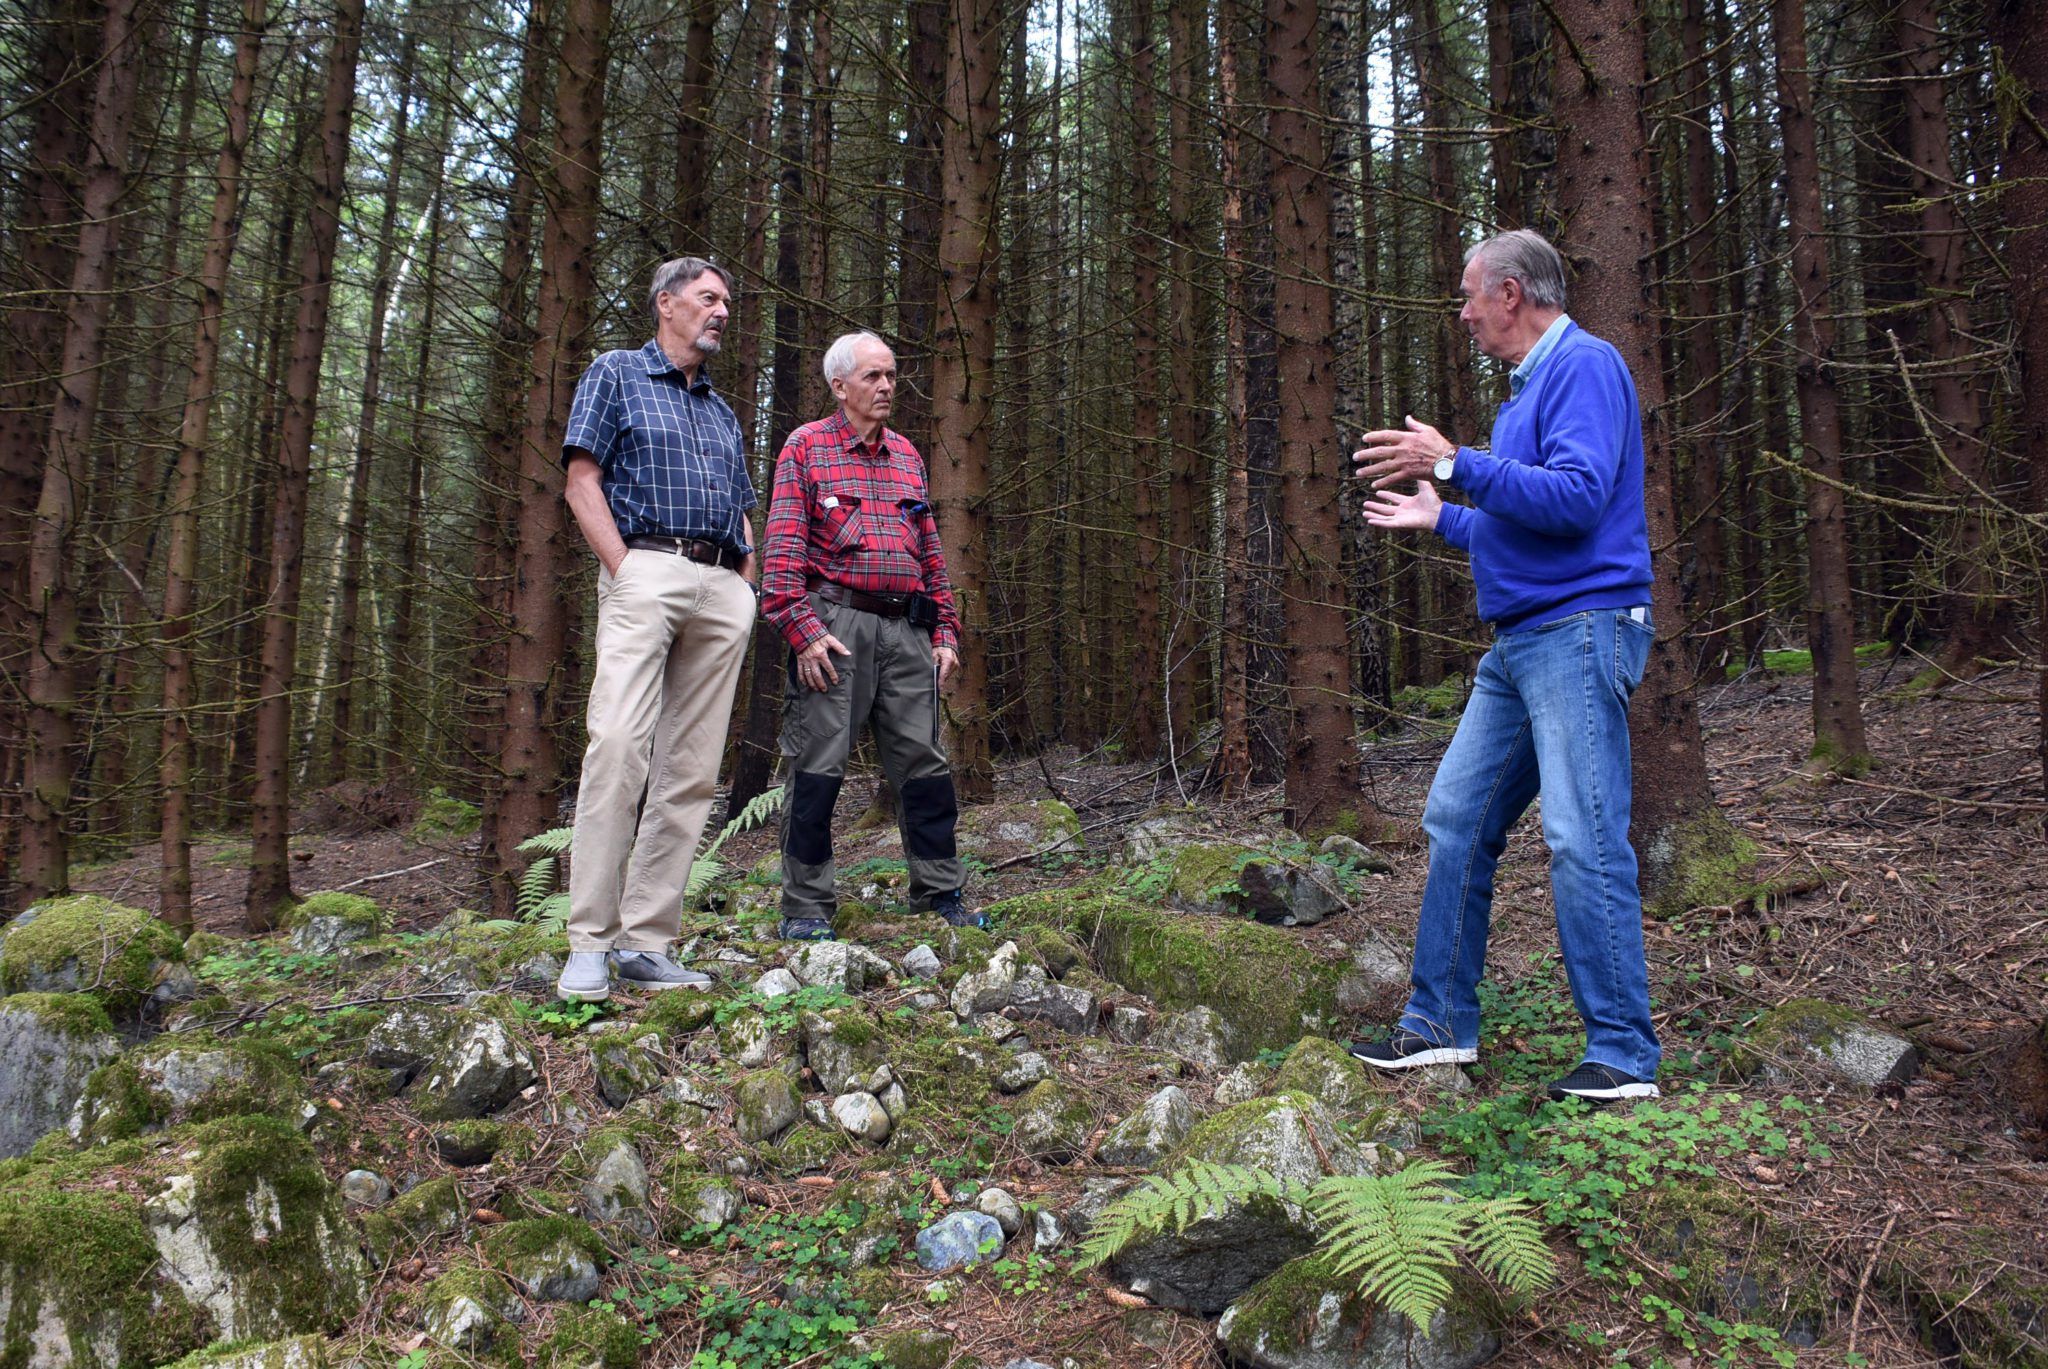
{"type": "Point", "coordinates": [671, 635]}
{"type": "Point", "coordinates": [887, 683]}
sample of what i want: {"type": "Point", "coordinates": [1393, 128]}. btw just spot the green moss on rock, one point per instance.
{"type": "Point", "coordinates": [297, 1352]}
{"type": "Point", "coordinates": [591, 1338]}
{"type": "Point", "coordinates": [353, 910]}
{"type": "Point", "coordinates": [71, 1014]}
{"type": "Point", "coordinates": [188, 1077]}
{"type": "Point", "coordinates": [1328, 1072]}
{"type": "Point", "coordinates": [420, 1214]}
{"type": "Point", "coordinates": [1259, 979]}
{"type": "Point", "coordinates": [915, 1350]}
{"type": "Point", "coordinates": [91, 945]}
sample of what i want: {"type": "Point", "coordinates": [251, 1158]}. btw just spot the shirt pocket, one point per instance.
{"type": "Point", "coordinates": [839, 520]}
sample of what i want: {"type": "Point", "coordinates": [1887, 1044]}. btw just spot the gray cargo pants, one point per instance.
{"type": "Point", "coordinates": [887, 681]}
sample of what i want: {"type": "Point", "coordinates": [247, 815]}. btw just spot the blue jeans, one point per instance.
{"type": "Point", "coordinates": [1549, 712]}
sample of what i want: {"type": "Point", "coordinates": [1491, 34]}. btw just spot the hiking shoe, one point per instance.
{"type": "Point", "coordinates": [1601, 1084]}
{"type": "Point", "coordinates": [805, 929]}
{"type": "Point", "coordinates": [587, 978]}
{"type": "Point", "coordinates": [952, 906]}
{"type": "Point", "coordinates": [653, 970]}
{"type": "Point", "coordinates": [1407, 1050]}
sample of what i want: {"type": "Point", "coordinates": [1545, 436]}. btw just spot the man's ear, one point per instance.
{"type": "Point", "coordinates": [1511, 292]}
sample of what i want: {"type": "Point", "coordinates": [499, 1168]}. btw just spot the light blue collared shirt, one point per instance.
{"type": "Point", "coordinates": [1519, 377]}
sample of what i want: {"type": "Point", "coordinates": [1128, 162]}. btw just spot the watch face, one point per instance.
{"type": "Point", "coordinates": [1443, 468]}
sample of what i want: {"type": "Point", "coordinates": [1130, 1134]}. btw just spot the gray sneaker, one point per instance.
{"type": "Point", "coordinates": [653, 970]}
{"type": "Point", "coordinates": [587, 978]}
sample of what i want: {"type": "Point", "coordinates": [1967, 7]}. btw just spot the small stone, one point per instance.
{"type": "Point", "coordinates": [1242, 1084]}
{"type": "Point", "coordinates": [1065, 1006]}
{"type": "Point", "coordinates": [616, 1190]}
{"type": "Point", "coordinates": [1444, 1078]}
{"type": "Point", "coordinates": [1096, 1195]}
{"type": "Point", "coordinates": [467, 1144]}
{"type": "Point", "coordinates": [1361, 856]}
{"type": "Point", "coordinates": [925, 1002]}
{"type": "Point", "coordinates": [481, 1067]}
{"type": "Point", "coordinates": [1054, 1124]}
{"type": "Point", "coordinates": [1375, 984]}
{"type": "Point", "coordinates": [1026, 1070]}
{"type": "Point", "coordinates": [764, 1106]}
{"type": "Point", "coordinates": [776, 983]}
{"type": "Point", "coordinates": [1288, 895]}
{"type": "Point", "coordinates": [895, 1102]}
{"type": "Point", "coordinates": [958, 1238]}
{"type": "Point", "coordinates": [365, 1188]}
{"type": "Point", "coordinates": [987, 990]}
{"type": "Point", "coordinates": [1148, 1136]}
{"type": "Point", "coordinates": [1046, 1232]}
{"type": "Point", "coordinates": [1027, 1364]}
{"type": "Point", "coordinates": [627, 1064]}
{"type": "Point", "coordinates": [862, 1115]}
{"type": "Point", "coordinates": [998, 1204]}
{"type": "Point", "coordinates": [1199, 1035]}
{"type": "Point", "coordinates": [922, 962]}
{"type": "Point", "coordinates": [1129, 1024]}
{"type": "Point", "coordinates": [840, 965]}
{"type": "Point", "coordinates": [746, 1041]}
{"type": "Point", "coordinates": [818, 1112]}
{"type": "Point", "coordinates": [998, 1028]}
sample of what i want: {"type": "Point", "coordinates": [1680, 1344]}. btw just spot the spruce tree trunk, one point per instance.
{"type": "Point", "coordinates": [51, 622]}
{"type": "Point", "coordinates": [1187, 671]}
{"type": "Point", "coordinates": [529, 757]}
{"type": "Point", "coordinates": [693, 132]}
{"type": "Point", "coordinates": [1838, 742]}
{"type": "Point", "coordinates": [1233, 750]}
{"type": "Point", "coordinates": [1605, 193]}
{"type": "Point", "coordinates": [181, 556]}
{"type": "Point", "coordinates": [1322, 753]}
{"type": "Point", "coordinates": [963, 367]}
{"type": "Point", "coordinates": [1699, 370]}
{"type": "Point", "coordinates": [1140, 61]}
{"type": "Point", "coordinates": [270, 886]}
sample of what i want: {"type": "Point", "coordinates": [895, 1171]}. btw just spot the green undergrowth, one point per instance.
{"type": "Point", "coordinates": [1799, 661]}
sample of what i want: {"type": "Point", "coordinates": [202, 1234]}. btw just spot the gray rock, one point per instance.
{"type": "Point", "coordinates": [365, 1188]}
{"type": "Point", "coordinates": [958, 1238]}
{"type": "Point", "coordinates": [1148, 1135]}
{"type": "Point", "coordinates": [560, 1271]}
{"type": "Point", "coordinates": [1027, 1069]}
{"type": "Point", "coordinates": [1809, 1039]}
{"type": "Point", "coordinates": [776, 983]}
{"type": "Point", "coordinates": [1244, 1083]}
{"type": "Point", "coordinates": [407, 1039]}
{"type": "Point", "coordinates": [1129, 1024]}
{"type": "Point", "coordinates": [1096, 1194]}
{"type": "Point", "coordinates": [480, 1067]}
{"type": "Point", "coordinates": [998, 1203]}
{"type": "Point", "coordinates": [1046, 1232]}
{"type": "Point", "coordinates": [464, 1321]}
{"type": "Point", "coordinates": [764, 1106]}
{"type": "Point", "coordinates": [862, 1115]}
{"type": "Point", "coordinates": [895, 1102]}
{"type": "Point", "coordinates": [1054, 1124]}
{"type": "Point", "coordinates": [840, 965]}
{"type": "Point", "coordinates": [1375, 984]}
{"type": "Point", "coordinates": [700, 1099]}
{"type": "Point", "coordinates": [1198, 1035]}
{"type": "Point", "coordinates": [1027, 1364]}
{"type": "Point", "coordinates": [1154, 837]}
{"type": "Point", "coordinates": [616, 1191]}
{"type": "Point", "coordinates": [923, 962]}
{"type": "Point", "coordinates": [1305, 1317]}
{"type": "Point", "coordinates": [627, 1064]}
{"type": "Point", "coordinates": [842, 1047]}
{"type": "Point", "coordinates": [324, 935]}
{"type": "Point", "coordinates": [987, 989]}
{"type": "Point", "coordinates": [185, 1077]}
{"type": "Point", "coordinates": [50, 1045]}
{"type": "Point", "coordinates": [1361, 856]}
{"type": "Point", "coordinates": [1005, 1031]}
{"type": "Point", "coordinates": [1067, 1007]}
{"type": "Point", "coordinates": [1330, 1074]}
{"type": "Point", "coordinates": [818, 1111]}
{"type": "Point", "coordinates": [745, 1040]}
{"type": "Point", "coordinates": [1288, 895]}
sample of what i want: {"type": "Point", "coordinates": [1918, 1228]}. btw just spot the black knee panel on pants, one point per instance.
{"type": "Point", "coordinates": [808, 834]}
{"type": "Point", "coordinates": [929, 811]}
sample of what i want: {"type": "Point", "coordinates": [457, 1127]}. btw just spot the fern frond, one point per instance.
{"type": "Point", "coordinates": [705, 871]}
{"type": "Point", "coordinates": [535, 884]}
{"type": "Point", "coordinates": [1173, 1202]}
{"type": "Point", "coordinates": [1506, 1242]}
{"type": "Point", "coordinates": [1398, 1234]}
{"type": "Point", "coordinates": [553, 913]}
{"type": "Point", "coordinates": [552, 842]}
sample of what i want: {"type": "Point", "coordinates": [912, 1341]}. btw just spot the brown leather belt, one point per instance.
{"type": "Point", "coordinates": [706, 553]}
{"type": "Point", "coordinates": [885, 605]}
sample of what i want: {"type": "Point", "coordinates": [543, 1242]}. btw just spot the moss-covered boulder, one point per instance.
{"type": "Point", "coordinates": [841, 1045]}
{"type": "Point", "coordinates": [1739, 1262]}
{"type": "Point", "coordinates": [805, 1148]}
{"type": "Point", "coordinates": [469, 1309]}
{"type": "Point", "coordinates": [985, 987]}
{"type": "Point", "coordinates": [591, 1338]}
{"type": "Point", "coordinates": [51, 1043]}
{"type": "Point", "coordinates": [628, 1062]}
{"type": "Point", "coordinates": [616, 1190]}
{"type": "Point", "coordinates": [1151, 1133]}
{"type": "Point", "coordinates": [938, 1066]}
{"type": "Point", "coordinates": [1054, 1123]}
{"type": "Point", "coordinates": [1810, 1039]}
{"type": "Point", "coordinates": [325, 922]}
{"type": "Point", "coordinates": [1204, 878]}
{"type": "Point", "coordinates": [699, 1202]}
{"type": "Point", "coordinates": [457, 1063]}
{"type": "Point", "coordinates": [141, 1252]}
{"type": "Point", "coordinates": [1031, 825]}
{"type": "Point", "coordinates": [1330, 1074]}
{"type": "Point", "coordinates": [1305, 1315]}
{"type": "Point", "coordinates": [915, 1350]}
{"type": "Point", "coordinates": [765, 1105]}
{"type": "Point", "coordinates": [681, 1014]}
{"type": "Point", "coordinates": [445, 818]}
{"type": "Point", "coordinates": [549, 1259]}
{"type": "Point", "coordinates": [295, 1352]}
{"type": "Point", "coordinates": [423, 1213]}
{"type": "Point", "coordinates": [188, 1077]}
{"type": "Point", "coordinates": [91, 945]}
{"type": "Point", "coordinates": [1261, 980]}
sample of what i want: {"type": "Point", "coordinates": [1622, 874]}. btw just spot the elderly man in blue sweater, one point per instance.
{"type": "Point", "coordinates": [1561, 558]}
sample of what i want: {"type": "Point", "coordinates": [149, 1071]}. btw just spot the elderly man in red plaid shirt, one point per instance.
{"type": "Point", "coordinates": [854, 577]}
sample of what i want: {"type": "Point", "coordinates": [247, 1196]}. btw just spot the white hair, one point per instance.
{"type": "Point", "coordinates": [1526, 256]}
{"type": "Point", "coordinates": [839, 356]}
{"type": "Point", "coordinates": [671, 276]}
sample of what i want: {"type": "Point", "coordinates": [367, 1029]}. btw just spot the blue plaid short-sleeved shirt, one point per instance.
{"type": "Point", "coordinates": [670, 451]}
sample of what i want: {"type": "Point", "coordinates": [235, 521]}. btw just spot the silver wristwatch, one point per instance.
{"type": "Point", "coordinates": [1445, 464]}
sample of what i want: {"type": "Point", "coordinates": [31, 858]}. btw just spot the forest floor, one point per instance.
{"type": "Point", "coordinates": [1925, 905]}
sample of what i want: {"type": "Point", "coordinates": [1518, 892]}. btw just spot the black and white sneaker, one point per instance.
{"type": "Point", "coordinates": [1405, 1050]}
{"type": "Point", "coordinates": [1601, 1084]}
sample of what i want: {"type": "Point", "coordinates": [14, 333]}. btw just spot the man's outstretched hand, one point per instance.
{"type": "Point", "coordinates": [1389, 509]}
{"type": "Point", "coordinates": [1392, 455]}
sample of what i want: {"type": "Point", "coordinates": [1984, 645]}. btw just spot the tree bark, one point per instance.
{"type": "Point", "coordinates": [181, 556]}
{"type": "Point", "coordinates": [51, 623]}
{"type": "Point", "coordinates": [1233, 750]}
{"type": "Point", "coordinates": [1605, 193]}
{"type": "Point", "coordinates": [963, 365]}
{"type": "Point", "coordinates": [270, 886]}
{"type": "Point", "coordinates": [2019, 28]}
{"type": "Point", "coordinates": [1700, 347]}
{"type": "Point", "coordinates": [1140, 62]}
{"type": "Point", "coordinates": [693, 132]}
{"type": "Point", "coordinates": [917, 286]}
{"type": "Point", "coordinates": [1322, 753]}
{"type": "Point", "coordinates": [1838, 742]}
{"type": "Point", "coordinates": [1186, 659]}
{"type": "Point", "coordinates": [529, 757]}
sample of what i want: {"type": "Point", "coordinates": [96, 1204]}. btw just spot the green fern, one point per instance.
{"type": "Point", "coordinates": [706, 870]}
{"type": "Point", "coordinates": [535, 885]}
{"type": "Point", "coordinates": [1399, 1235]}
{"type": "Point", "coordinates": [552, 842]}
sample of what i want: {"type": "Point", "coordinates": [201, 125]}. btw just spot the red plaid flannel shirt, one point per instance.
{"type": "Point", "coordinates": [856, 514]}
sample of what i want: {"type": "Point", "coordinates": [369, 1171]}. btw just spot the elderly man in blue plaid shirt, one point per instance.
{"type": "Point", "coordinates": [657, 479]}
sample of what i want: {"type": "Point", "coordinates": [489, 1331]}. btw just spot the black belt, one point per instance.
{"type": "Point", "coordinates": [707, 553]}
{"type": "Point", "coordinates": [886, 605]}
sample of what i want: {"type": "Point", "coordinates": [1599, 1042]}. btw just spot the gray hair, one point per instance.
{"type": "Point", "coordinates": [671, 276]}
{"type": "Point", "coordinates": [1526, 256]}
{"type": "Point", "coordinates": [839, 356]}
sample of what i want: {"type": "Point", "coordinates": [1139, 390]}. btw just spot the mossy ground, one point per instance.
{"type": "Point", "coordinates": [71, 1014]}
